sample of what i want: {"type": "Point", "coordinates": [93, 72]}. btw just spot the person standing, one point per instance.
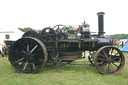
{"type": "Point", "coordinates": [122, 44]}
{"type": "Point", "coordinates": [0, 52]}
{"type": "Point", "coordinates": [118, 44]}
{"type": "Point", "coordinates": [3, 50]}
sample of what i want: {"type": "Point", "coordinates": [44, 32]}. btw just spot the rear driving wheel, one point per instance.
{"type": "Point", "coordinates": [28, 55]}
{"type": "Point", "coordinates": [109, 60]}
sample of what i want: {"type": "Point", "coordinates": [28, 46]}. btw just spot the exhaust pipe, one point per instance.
{"type": "Point", "coordinates": [101, 24]}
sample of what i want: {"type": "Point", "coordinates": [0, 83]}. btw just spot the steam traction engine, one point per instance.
{"type": "Point", "coordinates": [66, 44]}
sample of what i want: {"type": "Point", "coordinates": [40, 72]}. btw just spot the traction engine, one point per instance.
{"type": "Point", "coordinates": [66, 44]}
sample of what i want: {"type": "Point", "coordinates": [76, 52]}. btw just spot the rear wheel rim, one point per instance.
{"type": "Point", "coordinates": [28, 55]}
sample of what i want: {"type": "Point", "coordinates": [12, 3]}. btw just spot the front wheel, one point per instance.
{"type": "Point", "coordinates": [109, 60]}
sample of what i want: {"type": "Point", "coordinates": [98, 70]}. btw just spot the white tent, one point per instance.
{"type": "Point", "coordinates": [11, 34]}
{"type": "Point", "coordinates": [125, 48]}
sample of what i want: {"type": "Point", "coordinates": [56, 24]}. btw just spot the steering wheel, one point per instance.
{"type": "Point", "coordinates": [61, 28]}
{"type": "Point", "coordinates": [61, 31]}
{"type": "Point", "coordinates": [48, 34]}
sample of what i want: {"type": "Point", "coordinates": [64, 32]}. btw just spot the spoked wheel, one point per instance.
{"type": "Point", "coordinates": [91, 57]}
{"type": "Point", "coordinates": [61, 32]}
{"type": "Point", "coordinates": [28, 55]}
{"type": "Point", "coordinates": [48, 34]}
{"type": "Point", "coordinates": [61, 27]}
{"type": "Point", "coordinates": [109, 60]}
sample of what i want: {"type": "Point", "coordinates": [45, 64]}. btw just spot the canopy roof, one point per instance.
{"type": "Point", "coordinates": [125, 48]}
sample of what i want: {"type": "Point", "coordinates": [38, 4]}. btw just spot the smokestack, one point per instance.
{"type": "Point", "coordinates": [101, 23]}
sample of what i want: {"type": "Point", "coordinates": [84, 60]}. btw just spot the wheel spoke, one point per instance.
{"type": "Point", "coordinates": [105, 67]}
{"type": "Point", "coordinates": [105, 54]}
{"type": "Point", "coordinates": [33, 49]}
{"type": "Point", "coordinates": [23, 45]}
{"type": "Point", "coordinates": [112, 67]}
{"type": "Point", "coordinates": [115, 58]}
{"type": "Point", "coordinates": [38, 49]}
{"type": "Point", "coordinates": [50, 38]}
{"type": "Point", "coordinates": [17, 52]}
{"type": "Point", "coordinates": [111, 53]}
{"type": "Point", "coordinates": [116, 54]}
{"type": "Point", "coordinates": [101, 55]}
{"type": "Point", "coordinates": [108, 67]}
{"type": "Point", "coordinates": [22, 63]}
{"type": "Point", "coordinates": [46, 38]}
{"type": "Point", "coordinates": [33, 66]}
{"type": "Point", "coordinates": [102, 64]}
{"type": "Point", "coordinates": [119, 62]}
{"type": "Point", "coordinates": [25, 65]}
{"type": "Point", "coordinates": [115, 64]}
{"type": "Point", "coordinates": [51, 34]}
{"type": "Point", "coordinates": [101, 59]}
{"type": "Point", "coordinates": [35, 54]}
{"type": "Point", "coordinates": [38, 60]}
{"type": "Point", "coordinates": [19, 60]}
{"type": "Point", "coordinates": [27, 47]}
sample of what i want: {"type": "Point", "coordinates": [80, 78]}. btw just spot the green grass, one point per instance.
{"type": "Point", "coordinates": [65, 75]}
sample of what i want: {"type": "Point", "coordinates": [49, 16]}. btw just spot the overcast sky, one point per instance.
{"type": "Point", "coordinates": [39, 14]}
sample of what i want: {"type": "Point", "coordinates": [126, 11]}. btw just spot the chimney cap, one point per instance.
{"type": "Point", "coordinates": [100, 13]}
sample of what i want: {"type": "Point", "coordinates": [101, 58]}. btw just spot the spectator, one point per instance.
{"type": "Point", "coordinates": [125, 42]}
{"type": "Point", "coordinates": [118, 44]}
{"type": "Point", "coordinates": [122, 44]}
{"type": "Point", "coordinates": [3, 54]}
{"type": "Point", "coordinates": [0, 51]}
{"type": "Point", "coordinates": [6, 52]}
{"type": "Point", "coordinates": [3, 50]}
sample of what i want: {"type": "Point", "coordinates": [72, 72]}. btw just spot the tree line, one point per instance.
{"type": "Point", "coordinates": [118, 36]}
{"type": "Point", "coordinates": [28, 29]}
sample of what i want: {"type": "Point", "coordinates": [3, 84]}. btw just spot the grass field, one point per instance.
{"type": "Point", "coordinates": [66, 75]}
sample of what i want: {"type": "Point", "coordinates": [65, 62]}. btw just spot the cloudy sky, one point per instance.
{"type": "Point", "coordinates": [39, 14]}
